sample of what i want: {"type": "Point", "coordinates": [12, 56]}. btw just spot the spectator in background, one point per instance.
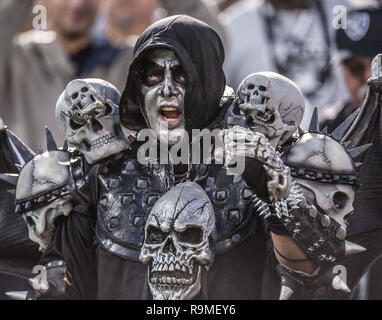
{"type": "Point", "coordinates": [125, 20]}
{"type": "Point", "coordinates": [358, 44]}
{"type": "Point", "coordinates": [294, 38]}
{"type": "Point", "coordinates": [204, 10]}
{"type": "Point", "coordinates": [35, 66]}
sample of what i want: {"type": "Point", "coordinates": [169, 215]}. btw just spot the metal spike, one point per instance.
{"type": "Point", "coordinates": [258, 203]}
{"type": "Point", "coordinates": [263, 212]}
{"type": "Point", "coordinates": [17, 295]}
{"type": "Point", "coordinates": [50, 143]}
{"type": "Point", "coordinates": [353, 248]}
{"type": "Point", "coordinates": [340, 131]}
{"type": "Point", "coordinates": [325, 131]}
{"type": "Point", "coordinates": [20, 159]}
{"type": "Point", "coordinates": [314, 125]}
{"type": "Point", "coordinates": [40, 149]}
{"type": "Point", "coordinates": [9, 178]}
{"type": "Point", "coordinates": [267, 216]}
{"type": "Point", "coordinates": [22, 152]}
{"type": "Point", "coordinates": [339, 284]}
{"type": "Point", "coordinates": [65, 147]}
{"type": "Point", "coordinates": [354, 153]}
{"type": "Point", "coordinates": [285, 293]}
{"type": "Point", "coordinates": [263, 205]}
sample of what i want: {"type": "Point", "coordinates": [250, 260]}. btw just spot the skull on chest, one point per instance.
{"type": "Point", "coordinates": [179, 237]}
{"type": "Point", "coordinates": [88, 113]}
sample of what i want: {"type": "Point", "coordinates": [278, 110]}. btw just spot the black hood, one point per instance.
{"type": "Point", "coordinates": [200, 51]}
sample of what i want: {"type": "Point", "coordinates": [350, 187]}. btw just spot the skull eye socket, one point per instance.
{"type": "Point", "coordinates": [155, 235]}
{"type": "Point", "coordinates": [75, 95]}
{"type": "Point", "coordinates": [339, 200]}
{"type": "Point", "coordinates": [73, 125]}
{"type": "Point", "coordinates": [30, 222]}
{"type": "Point", "coordinates": [192, 235]}
{"type": "Point", "coordinates": [84, 89]}
{"type": "Point", "coordinates": [251, 87]}
{"type": "Point", "coordinates": [262, 88]}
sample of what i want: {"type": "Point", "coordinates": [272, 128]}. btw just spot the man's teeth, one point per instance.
{"type": "Point", "coordinates": [169, 109]}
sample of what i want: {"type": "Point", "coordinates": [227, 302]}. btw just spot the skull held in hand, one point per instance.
{"type": "Point", "coordinates": [272, 105]}
{"type": "Point", "coordinates": [179, 239]}
{"type": "Point", "coordinates": [87, 112]}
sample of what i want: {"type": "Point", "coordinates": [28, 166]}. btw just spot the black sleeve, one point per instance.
{"type": "Point", "coordinates": [256, 178]}
{"type": "Point", "coordinates": [73, 243]}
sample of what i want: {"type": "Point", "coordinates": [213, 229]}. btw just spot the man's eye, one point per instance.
{"type": "Point", "coordinates": [178, 75]}
{"type": "Point", "coordinates": [153, 79]}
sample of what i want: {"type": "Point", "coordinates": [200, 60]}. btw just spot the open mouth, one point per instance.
{"type": "Point", "coordinates": [171, 115]}
{"type": "Point", "coordinates": [173, 276]}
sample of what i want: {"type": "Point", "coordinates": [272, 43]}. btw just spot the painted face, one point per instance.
{"type": "Point", "coordinates": [163, 88]}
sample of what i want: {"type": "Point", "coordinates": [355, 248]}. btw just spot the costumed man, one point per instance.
{"type": "Point", "coordinates": [176, 82]}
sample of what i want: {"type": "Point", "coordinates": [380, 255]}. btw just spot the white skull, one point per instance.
{"type": "Point", "coordinates": [80, 93]}
{"type": "Point", "coordinates": [334, 200]}
{"type": "Point", "coordinates": [272, 105]}
{"type": "Point", "coordinates": [41, 222]}
{"type": "Point", "coordinates": [43, 194]}
{"type": "Point", "coordinates": [87, 112]}
{"type": "Point", "coordinates": [254, 94]}
{"type": "Point", "coordinates": [178, 236]}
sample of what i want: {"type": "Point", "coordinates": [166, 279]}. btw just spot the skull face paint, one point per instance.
{"type": "Point", "coordinates": [272, 105]}
{"type": "Point", "coordinates": [178, 245]}
{"type": "Point", "coordinates": [163, 89]}
{"type": "Point", "coordinates": [87, 112]}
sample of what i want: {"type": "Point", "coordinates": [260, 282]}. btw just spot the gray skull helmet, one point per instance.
{"type": "Point", "coordinates": [326, 169]}
{"type": "Point", "coordinates": [87, 113]}
{"type": "Point", "coordinates": [179, 241]}
{"type": "Point", "coordinates": [271, 104]}
{"type": "Point", "coordinates": [43, 193]}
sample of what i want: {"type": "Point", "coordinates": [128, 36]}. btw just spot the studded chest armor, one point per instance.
{"type": "Point", "coordinates": [233, 204]}
{"type": "Point", "coordinates": [127, 193]}
{"type": "Point", "coordinates": [128, 190]}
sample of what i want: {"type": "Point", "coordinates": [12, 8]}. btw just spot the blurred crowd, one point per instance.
{"type": "Point", "coordinates": [325, 46]}
{"type": "Point", "coordinates": [326, 51]}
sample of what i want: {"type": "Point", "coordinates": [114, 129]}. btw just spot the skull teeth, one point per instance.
{"type": "Point", "coordinates": [100, 142]}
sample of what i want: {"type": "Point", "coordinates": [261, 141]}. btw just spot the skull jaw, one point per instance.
{"type": "Point", "coordinates": [102, 145]}
{"type": "Point", "coordinates": [175, 291]}
{"type": "Point", "coordinates": [96, 154]}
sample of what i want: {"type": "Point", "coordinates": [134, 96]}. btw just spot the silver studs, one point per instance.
{"type": "Point", "coordinates": [113, 183]}
{"type": "Point", "coordinates": [142, 183]}
{"type": "Point", "coordinates": [325, 221]}
{"type": "Point", "coordinates": [221, 195]}
{"type": "Point", "coordinates": [139, 221]}
{"type": "Point", "coordinates": [341, 233]}
{"type": "Point", "coordinates": [234, 216]}
{"type": "Point", "coordinates": [312, 211]}
{"type": "Point", "coordinates": [107, 243]}
{"type": "Point", "coordinates": [247, 193]}
{"type": "Point", "coordinates": [114, 223]}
